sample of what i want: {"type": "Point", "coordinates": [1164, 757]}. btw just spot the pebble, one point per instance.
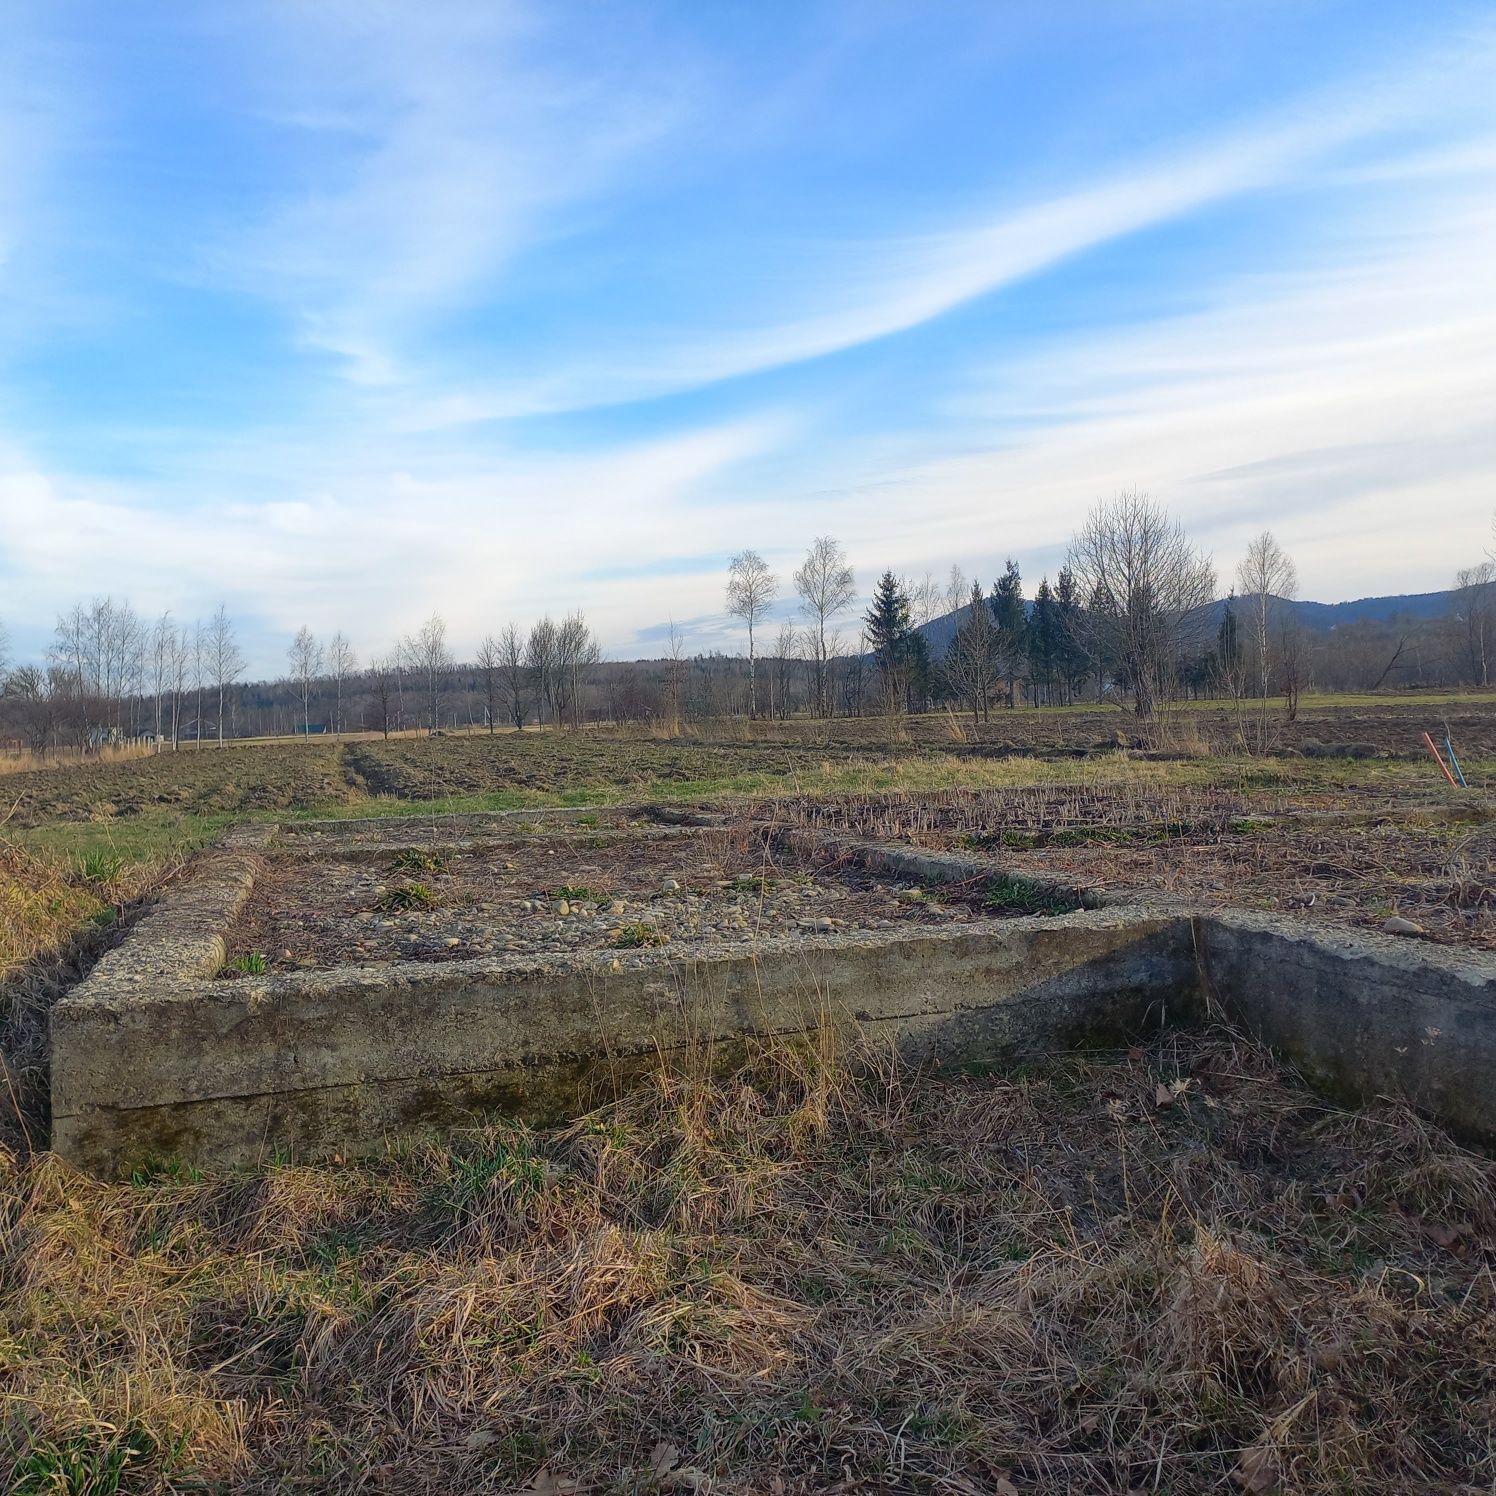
{"type": "Point", "coordinates": [1397, 925]}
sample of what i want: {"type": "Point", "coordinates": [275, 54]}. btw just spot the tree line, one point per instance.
{"type": "Point", "coordinates": [1130, 617]}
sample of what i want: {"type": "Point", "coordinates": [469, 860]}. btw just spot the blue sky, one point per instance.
{"type": "Point", "coordinates": [342, 312]}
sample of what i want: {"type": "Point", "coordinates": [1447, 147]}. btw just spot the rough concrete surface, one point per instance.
{"type": "Point", "coordinates": [153, 1057]}
{"type": "Point", "coordinates": [1363, 1016]}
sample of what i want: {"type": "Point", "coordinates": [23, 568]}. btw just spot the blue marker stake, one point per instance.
{"type": "Point", "coordinates": [1459, 772]}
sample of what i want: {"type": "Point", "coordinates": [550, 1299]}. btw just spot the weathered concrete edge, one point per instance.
{"type": "Point", "coordinates": [923, 866]}
{"type": "Point", "coordinates": [448, 820]}
{"type": "Point", "coordinates": [191, 1040]}
{"type": "Point", "coordinates": [1362, 1016]}
{"type": "Point", "coordinates": [181, 936]}
{"type": "Point", "coordinates": [338, 1065]}
{"type": "Point", "coordinates": [336, 850]}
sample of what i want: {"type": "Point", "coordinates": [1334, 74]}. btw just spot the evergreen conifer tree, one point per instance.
{"type": "Point", "coordinates": [1043, 641]}
{"type": "Point", "coordinates": [1012, 625]}
{"type": "Point", "coordinates": [887, 624]}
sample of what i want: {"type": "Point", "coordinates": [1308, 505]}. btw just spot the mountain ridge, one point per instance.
{"type": "Point", "coordinates": [1419, 607]}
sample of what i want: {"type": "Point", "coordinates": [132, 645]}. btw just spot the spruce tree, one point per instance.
{"type": "Point", "coordinates": [919, 670]}
{"type": "Point", "coordinates": [1043, 641]}
{"type": "Point", "coordinates": [1228, 647]}
{"type": "Point", "coordinates": [1074, 664]}
{"type": "Point", "coordinates": [1012, 624]}
{"type": "Point", "coordinates": [887, 624]}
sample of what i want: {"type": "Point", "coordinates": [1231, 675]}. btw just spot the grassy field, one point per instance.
{"type": "Point", "coordinates": [1167, 1271]}
{"type": "Point", "coordinates": [807, 1276]}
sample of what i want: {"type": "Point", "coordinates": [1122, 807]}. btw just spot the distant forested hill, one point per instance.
{"type": "Point", "coordinates": [1320, 617]}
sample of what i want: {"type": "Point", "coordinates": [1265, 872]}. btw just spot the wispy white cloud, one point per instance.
{"type": "Point", "coordinates": [1349, 407]}
{"type": "Point", "coordinates": [424, 156]}
{"type": "Point", "coordinates": [377, 548]}
{"type": "Point", "coordinates": [433, 144]}
{"type": "Point", "coordinates": [868, 291]}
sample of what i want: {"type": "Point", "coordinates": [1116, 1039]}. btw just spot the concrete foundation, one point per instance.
{"type": "Point", "coordinates": [153, 1057]}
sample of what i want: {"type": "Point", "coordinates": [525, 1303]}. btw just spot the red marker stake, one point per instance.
{"type": "Point", "coordinates": [1439, 759]}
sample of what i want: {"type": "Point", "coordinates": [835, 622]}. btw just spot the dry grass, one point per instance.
{"type": "Point", "coordinates": [24, 763]}
{"type": "Point", "coordinates": [42, 903]}
{"type": "Point", "coordinates": [56, 915]}
{"type": "Point", "coordinates": [793, 1279]}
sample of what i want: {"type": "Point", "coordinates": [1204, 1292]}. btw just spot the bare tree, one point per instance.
{"type": "Point", "coordinates": [384, 674]}
{"type": "Point", "coordinates": [163, 652]}
{"type": "Point", "coordinates": [305, 655]}
{"type": "Point", "coordinates": [540, 662]}
{"type": "Point", "coordinates": [675, 676]}
{"type": "Point", "coordinates": [512, 668]}
{"type": "Point", "coordinates": [786, 652]}
{"type": "Point", "coordinates": [925, 597]}
{"type": "Point", "coordinates": [1149, 591]}
{"type": "Point", "coordinates": [1292, 662]}
{"type": "Point", "coordinates": [341, 663]}
{"type": "Point", "coordinates": [181, 661]}
{"type": "Point", "coordinates": [751, 588]}
{"type": "Point", "coordinates": [199, 676]}
{"type": "Point", "coordinates": [35, 698]}
{"type": "Point", "coordinates": [225, 661]}
{"type": "Point", "coordinates": [973, 661]}
{"type": "Point", "coordinates": [957, 589]}
{"type": "Point", "coordinates": [576, 650]}
{"type": "Point", "coordinates": [99, 652]}
{"type": "Point", "coordinates": [429, 652]}
{"type": "Point", "coordinates": [490, 662]}
{"type": "Point", "coordinates": [826, 587]}
{"type": "Point", "coordinates": [1265, 576]}
{"type": "Point", "coordinates": [1475, 618]}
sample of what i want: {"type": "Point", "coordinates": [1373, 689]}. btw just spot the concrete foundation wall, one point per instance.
{"type": "Point", "coordinates": [1363, 1016]}
{"type": "Point", "coordinates": [153, 1057]}
{"type": "Point", "coordinates": [320, 1063]}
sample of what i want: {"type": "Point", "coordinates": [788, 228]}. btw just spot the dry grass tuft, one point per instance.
{"type": "Point", "coordinates": [795, 1276]}
{"type": "Point", "coordinates": [25, 762]}
{"type": "Point", "coordinates": [55, 917]}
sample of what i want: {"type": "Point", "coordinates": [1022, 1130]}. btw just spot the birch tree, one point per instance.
{"type": "Point", "coordinates": [434, 659]}
{"type": "Point", "coordinates": [225, 659]}
{"type": "Point", "coordinates": [341, 663]}
{"type": "Point", "coordinates": [305, 655]}
{"type": "Point", "coordinates": [1265, 576]}
{"type": "Point", "coordinates": [163, 650]}
{"type": "Point", "coordinates": [826, 587]}
{"type": "Point", "coordinates": [540, 663]}
{"type": "Point", "coordinates": [751, 589]}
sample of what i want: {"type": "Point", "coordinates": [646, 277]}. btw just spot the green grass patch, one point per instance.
{"type": "Point", "coordinates": [637, 936]}
{"type": "Point", "coordinates": [509, 1158]}
{"type": "Point", "coordinates": [413, 861]}
{"type": "Point", "coordinates": [407, 896]}
{"type": "Point", "coordinates": [251, 964]}
{"type": "Point", "coordinates": [1010, 894]}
